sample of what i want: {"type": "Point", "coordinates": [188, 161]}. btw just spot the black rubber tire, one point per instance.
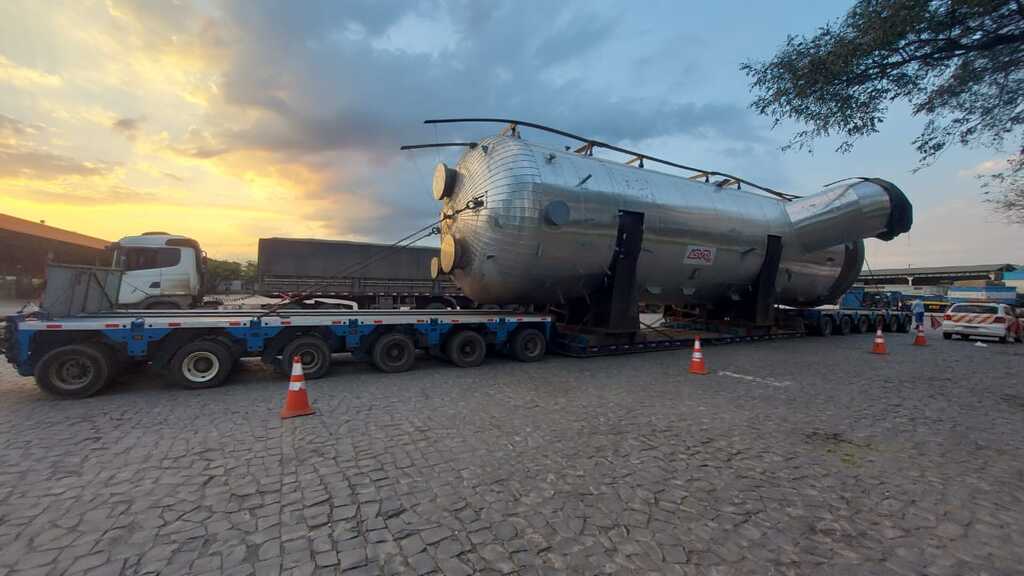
{"type": "Point", "coordinates": [465, 349]}
{"type": "Point", "coordinates": [528, 345]}
{"type": "Point", "coordinates": [863, 325]}
{"type": "Point", "coordinates": [315, 354]}
{"type": "Point", "coordinates": [393, 352]}
{"type": "Point", "coordinates": [947, 335]}
{"type": "Point", "coordinates": [845, 326]}
{"type": "Point", "coordinates": [1002, 339]}
{"type": "Point", "coordinates": [905, 324]}
{"type": "Point", "coordinates": [825, 325]}
{"type": "Point", "coordinates": [201, 364]}
{"type": "Point", "coordinates": [76, 371]}
{"type": "Point", "coordinates": [892, 324]}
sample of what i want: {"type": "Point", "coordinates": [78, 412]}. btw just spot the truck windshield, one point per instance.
{"type": "Point", "coordinates": [146, 258]}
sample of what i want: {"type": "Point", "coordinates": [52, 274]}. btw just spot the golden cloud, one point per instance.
{"type": "Point", "coordinates": [24, 77]}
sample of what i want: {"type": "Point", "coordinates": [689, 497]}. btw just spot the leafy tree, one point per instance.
{"type": "Point", "coordinates": [248, 274]}
{"type": "Point", "coordinates": [958, 63]}
{"type": "Point", "coordinates": [218, 271]}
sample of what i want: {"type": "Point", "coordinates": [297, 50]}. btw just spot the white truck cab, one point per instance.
{"type": "Point", "coordinates": [161, 271]}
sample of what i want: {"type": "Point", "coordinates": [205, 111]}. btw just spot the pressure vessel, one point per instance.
{"type": "Point", "coordinates": [525, 223]}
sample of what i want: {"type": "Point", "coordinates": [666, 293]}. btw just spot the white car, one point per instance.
{"type": "Point", "coordinates": [982, 320]}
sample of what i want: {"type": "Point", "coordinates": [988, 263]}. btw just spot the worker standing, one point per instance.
{"type": "Point", "coordinates": [918, 309]}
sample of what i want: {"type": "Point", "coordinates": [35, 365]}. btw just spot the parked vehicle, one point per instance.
{"type": "Point", "coordinates": [161, 271]}
{"type": "Point", "coordinates": [984, 320]}
{"type": "Point", "coordinates": [375, 276]}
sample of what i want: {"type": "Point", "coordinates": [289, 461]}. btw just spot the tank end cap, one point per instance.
{"type": "Point", "coordinates": [901, 212]}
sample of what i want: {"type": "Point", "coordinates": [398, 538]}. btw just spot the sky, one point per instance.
{"type": "Point", "coordinates": [229, 121]}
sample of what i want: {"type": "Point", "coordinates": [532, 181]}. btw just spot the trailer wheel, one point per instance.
{"type": "Point", "coordinates": [845, 325]}
{"type": "Point", "coordinates": [528, 345]}
{"type": "Point", "coordinates": [947, 335]}
{"type": "Point", "coordinates": [393, 352]}
{"type": "Point", "coordinates": [465, 349]}
{"type": "Point", "coordinates": [75, 371]}
{"type": "Point", "coordinates": [863, 325]}
{"type": "Point", "coordinates": [314, 353]}
{"type": "Point", "coordinates": [200, 364]}
{"type": "Point", "coordinates": [905, 323]}
{"type": "Point", "coordinates": [893, 323]}
{"type": "Point", "coordinates": [825, 324]}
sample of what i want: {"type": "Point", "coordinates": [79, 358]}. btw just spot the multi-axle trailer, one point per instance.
{"type": "Point", "coordinates": [77, 356]}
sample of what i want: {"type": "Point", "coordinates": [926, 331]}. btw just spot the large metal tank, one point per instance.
{"type": "Point", "coordinates": [532, 224]}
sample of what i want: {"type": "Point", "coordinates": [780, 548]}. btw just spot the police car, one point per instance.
{"type": "Point", "coordinates": [982, 320]}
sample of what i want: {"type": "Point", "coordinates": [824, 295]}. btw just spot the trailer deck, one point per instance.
{"type": "Point", "coordinates": [198, 347]}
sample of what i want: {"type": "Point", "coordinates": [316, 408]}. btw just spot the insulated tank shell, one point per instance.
{"type": "Point", "coordinates": [531, 224]}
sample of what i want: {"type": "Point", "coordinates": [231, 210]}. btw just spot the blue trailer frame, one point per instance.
{"type": "Point", "coordinates": [159, 336]}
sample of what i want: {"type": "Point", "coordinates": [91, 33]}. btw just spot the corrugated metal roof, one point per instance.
{"type": "Point", "coordinates": [938, 270]}
{"type": "Point", "coordinates": [28, 227]}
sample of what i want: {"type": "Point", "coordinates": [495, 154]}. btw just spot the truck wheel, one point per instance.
{"type": "Point", "coordinates": [75, 371]}
{"type": "Point", "coordinates": [892, 324]}
{"type": "Point", "coordinates": [528, 345]}
{"type": "Point", "coordinates": [200, 364]}
{"type": "Point", "coordinates": [825, 326]}
{"type": "Point", "coordinates": [845, 325]}
{"type": "Point", "coordinates": [314, 353]}
{"type": "Point", "coordinates": [393, 352]}
{"type": "Point", "coordinates": [465, 349]}
{"type": "Point", "coordinates": [863, 325]}
{"type": "Point", "coordinates": [905, 323]}
{"type": "Point", "coordinates": [947, 335]}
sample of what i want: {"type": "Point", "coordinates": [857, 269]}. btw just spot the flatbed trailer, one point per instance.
{"type": "Point", "coordinates": [829, 321]}
{"type": "Point", "coordinates": [77, 356]}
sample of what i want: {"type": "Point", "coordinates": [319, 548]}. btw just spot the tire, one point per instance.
{"type": "Point", "coordinates": [845, 325]}
{"type": "Point", "coordinates": [201, 364]}
{"type": "Point", "coordinates": [892, 324]}
{"type": "Point", "coordinates": [947, 335]}
{"type": "Point", "coordinates": [76, 371]}
{"type": "Point", "coordinates": [528, 345]}
{"type": "Point", "coordinates": [315, 354]}
{"type": "Point", "coordinates": [825, 325]}
{"type": "Point", "coordinates": [393, 352]}
{"type": "Point", "coordinates": [465, 349]}
{"type": "Point", "coordinates": [905, 323]}
{"type": "Point", "coordinates": [863, 325]}
{"type": "Point", "coordinates": [1002, 339]}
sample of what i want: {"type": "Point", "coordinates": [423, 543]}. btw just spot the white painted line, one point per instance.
{"type": "Point", "coordinates": [759, 380]}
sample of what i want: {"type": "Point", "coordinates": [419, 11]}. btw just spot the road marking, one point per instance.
{"type": "Point", "coordinates": [759, 380]}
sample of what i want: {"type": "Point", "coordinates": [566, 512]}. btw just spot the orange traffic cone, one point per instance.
{"type": "Point", "coordinates": [297, 402]}
{"type": "Point", "coordinates": [697, 359]}
{"type": "Point", "coordinates": [919, 339]}
{"type": "Point", "coordinates": [879, 345]}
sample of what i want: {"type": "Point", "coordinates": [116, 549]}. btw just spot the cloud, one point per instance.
{"type": "Point", "coordinates": [986, 168]}
{"type": "Point", "coordinates": [24, 158]}
{"type": "Point", "coordinates": [23, 77]}
{"type": "Point", "coordinates": [127, 126]}
{"type": "Point", "coordinates": [343, 85]}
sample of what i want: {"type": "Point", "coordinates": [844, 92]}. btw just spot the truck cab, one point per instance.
{"type": "Point", "coordinates": [161, 271]}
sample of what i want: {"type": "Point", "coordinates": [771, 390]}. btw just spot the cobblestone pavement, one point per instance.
{"type": "Point", "coordinates": [810, 456]}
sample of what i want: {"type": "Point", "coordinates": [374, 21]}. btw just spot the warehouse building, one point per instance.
{"type": "Point", "coordinates": [26, 247]}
